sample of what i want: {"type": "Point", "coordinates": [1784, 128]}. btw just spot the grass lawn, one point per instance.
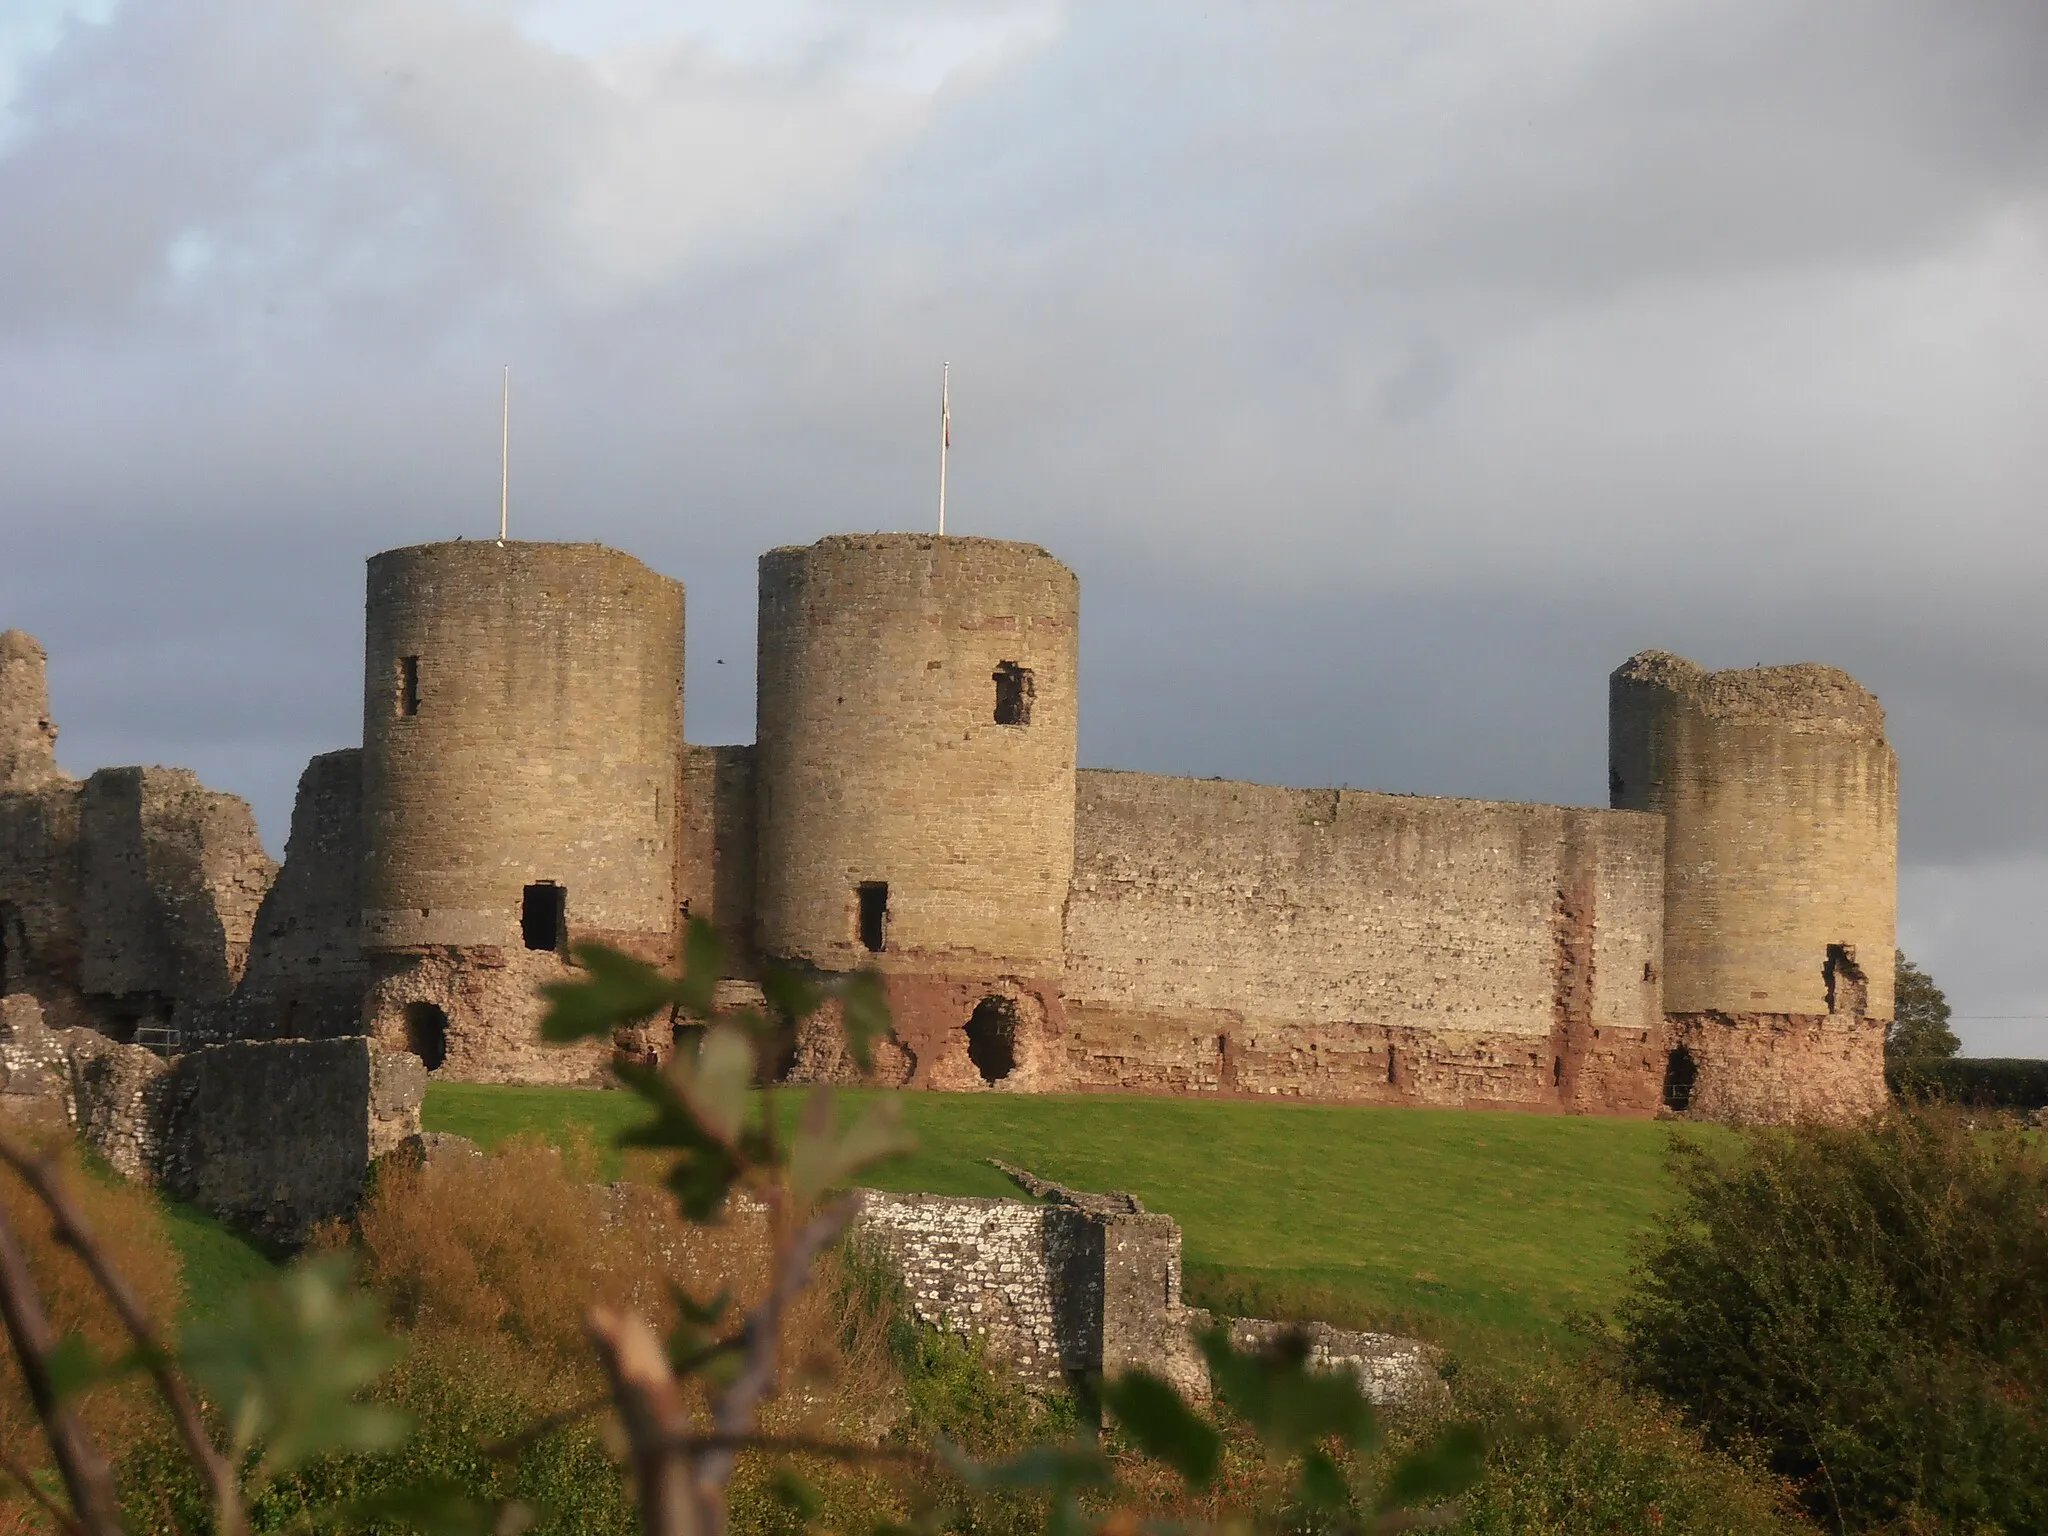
{"type": "Point", "coordinates": [1470, 1221]}
{"type": "Point", "coordinates": [218, 1262]}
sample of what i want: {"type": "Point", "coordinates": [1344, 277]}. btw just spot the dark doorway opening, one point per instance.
{"type": "Point", "coordinates": [1681, 1076]}
{"type": "Point", "coordinates": [408, 685]}
{"type": "Point", "coordinates": [11, 947]}
{"type": "Point", "coordinates": [1014, 691]}
{"type": "Point", "coordinates": [544, 915]}
{"type": "Point", "coordinates": [426, 1033]}
{"type": "Point", "coordinates": [1848, 988]}
{"type": "Point", "coordinates": [992, 1038]}
{"type": "Point", "coordinates": [874, 914]}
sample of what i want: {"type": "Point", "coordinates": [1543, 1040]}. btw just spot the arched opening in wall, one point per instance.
{"type": "Point", "coordinates": [426, 1033]}
{"type": "Point", "coordinates": [684, 1036]}
{"type": "Point", "coordinates": [1681, 1076]}
{"type": "Point", "coordinates": [992, 1038]}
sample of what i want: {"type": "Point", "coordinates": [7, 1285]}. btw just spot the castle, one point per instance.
{"type": "Point", "coordinates": [1719, 942]}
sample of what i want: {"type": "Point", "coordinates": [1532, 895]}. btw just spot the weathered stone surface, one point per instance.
{"type": "Point", "coordinates": [883, 762]}
{"type": "Point", "coordinates": [522, 727]}
{"type": "Point", "coordinates": [306, 975]}
{"type": "Point", "coordinates": [1392, 1371]}
{"type": "Point", "coordinates": [28, 736]}
{"type": "Point", "coordinates": [1239, 938]}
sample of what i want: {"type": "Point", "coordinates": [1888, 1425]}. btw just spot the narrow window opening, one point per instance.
{"type": "Point", "coordinates": [1681, 1075]}
{"type": "Point", "coordinates": [408, 685]}
{"type": "Point", "coordinates": [426, 1034]}
{"type": "Point", "coordinates": [874, 914]}
{"type": "Point", "coordinates": [1615, 787]}
{"type": "Point", "coordinates": [1390, 1064]}
{"type": "Point", "coordinates": [1014, 692]}
{"type": "Point", "coordinates": [543, 916]}
{"type": "Point", "coordinates": [1848, 988]}
{"type": "Point", "coordinates": [1557, 1071]}
{"type": "Point", "coordinates": [992, 1038]}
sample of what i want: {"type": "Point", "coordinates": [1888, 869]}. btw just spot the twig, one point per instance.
{"type": "Point", "coordinates": [733, 1413]}
{"type": "Point", "coordinates": [800, 1445]}
{"type": "Point", "coordinates": [43, 1501]}
{"type": "Point", "coordinates": [87, 1477]}
{"type": "Point", "coordinates": [73, 1232]}
{"type": "Point", "coordinates": [652, 1410]}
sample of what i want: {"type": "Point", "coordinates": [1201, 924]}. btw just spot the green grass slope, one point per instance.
{"type": "Point", "coordinates": [1486, 1221]}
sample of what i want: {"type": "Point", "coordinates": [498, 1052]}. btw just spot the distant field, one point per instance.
{"type": "Point", "coordinates": [1477, 1221]}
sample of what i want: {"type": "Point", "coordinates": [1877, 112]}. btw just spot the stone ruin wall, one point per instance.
{"type": "Point", "coordinates": [273, 1136]}
{"type": "Point", "coordinates": [1237, 938]}
{"type": "Point", "coordinates": [306, 975]}
{"type": "Point", "coordinates": [1060, 1294]}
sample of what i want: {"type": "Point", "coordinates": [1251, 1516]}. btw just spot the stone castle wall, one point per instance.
{"type": "Point", "coordinates": [917, 716]}
{"type": "Point", "coordinates": [306, 973]}
{"type": "Point", "coordinates": [171, 877]}
{"type": "Point", "coordinates": [1779, 799]}
{"type": "Point", "coordinates": [522, 732]}
{"type": "Point", "coordinates": [1229, 937]}
{"type": "Point", "coordinates": [715, 848]}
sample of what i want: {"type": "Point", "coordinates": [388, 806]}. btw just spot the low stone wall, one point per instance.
{"type": "Point", "coordinates": [1058, 1292]}
{"type": "Point", "coordinates": [273, 1136]}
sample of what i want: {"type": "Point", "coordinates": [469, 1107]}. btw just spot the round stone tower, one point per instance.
{"type": "Point", "coordinates": [916, 782]}
{"type": "Point", "coordinates": [1781, 804]}
{"type": "Point", "coordinates": [522, 741]}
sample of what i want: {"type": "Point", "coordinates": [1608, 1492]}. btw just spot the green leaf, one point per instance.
{"type": "Point", "coordinates": [1058, 1467]}
{"type": "Point", "coordinates": [436, 1507]}
{"type": "Point", "coordinates": [1443, 1469]}
{"type": "Point", "coordinates": [1163, 1426]}
{"type": "Point", "coordinates": [616, 989]}
{"type": "Point", "coordinates": [1323, 1485]}
{"type": "Point", "coordinates": [792, 996]}
{"type": "Point", "coordinates": [821, 1159]}
{"type": "Point", "coordinates": [715, 1084]}
{"type": "Point", "coordinates": [75, 1366]}
{"type": "Point", "coordinates": [1292, 1406]}
{"type": "Point", "coordinates": [703, 967]}
{"type": "Point", "coordinates": [287, 1361]}
{"type": "Point", "coordinates": [795, 1494]}
{"type": "Point", "coordinates": [864, 1015]}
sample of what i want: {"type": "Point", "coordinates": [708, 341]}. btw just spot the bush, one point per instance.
{"type": "Point", "coordinates": [1977, 1082]}
{"type": "Point", "coordinates": [131, 1229]}
{"type": "Point", "coordinates": [1573, 1452]}
{"type": "Point", "coordinates": [1868, 1304]}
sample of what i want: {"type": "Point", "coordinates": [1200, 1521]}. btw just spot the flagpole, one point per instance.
{"type": "Point", "coordinates": [945, 436]}
{"type": "Point", "coordinates": [505, 456]}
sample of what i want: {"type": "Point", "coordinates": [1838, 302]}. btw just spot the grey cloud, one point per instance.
{"type": "Point", "coordinates": [1389, 373]}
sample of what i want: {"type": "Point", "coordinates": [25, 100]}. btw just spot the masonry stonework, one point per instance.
{"type": "Point", "coordinates": [917, 717]}
{"type": "Point", "coordinates": [1778, 795]}
{"type": "Point", "coordinates": [1716, 943]}
{"type": "Point", "coordinates": [522, 753]}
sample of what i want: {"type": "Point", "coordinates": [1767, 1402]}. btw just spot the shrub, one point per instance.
{"type": "Point", "coordinates": [1870, 1304]}
{"type": "Point", "coordinates": [1977, 1082]}
{"type": "Point", "coordinates": [131, 1229]}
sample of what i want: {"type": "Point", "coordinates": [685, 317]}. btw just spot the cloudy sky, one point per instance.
{"type": "Point", "coordinates": [1389, 372]}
